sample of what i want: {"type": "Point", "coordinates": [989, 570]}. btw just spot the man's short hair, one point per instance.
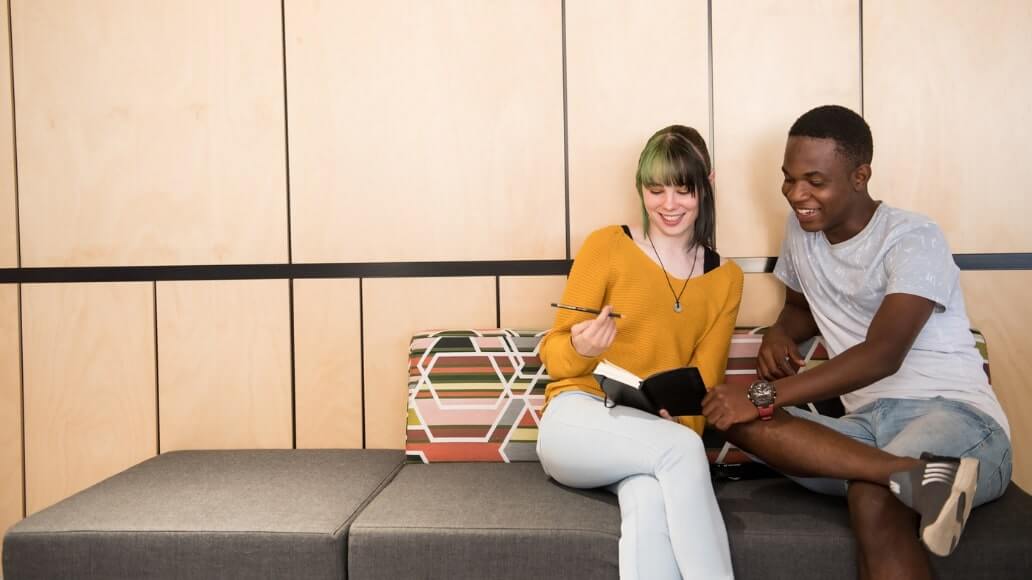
{"type": "Point", "coordinates": [850, 132]}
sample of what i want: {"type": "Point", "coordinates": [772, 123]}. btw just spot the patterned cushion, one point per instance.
{"type": "Point", "coordinates": [476, 395]}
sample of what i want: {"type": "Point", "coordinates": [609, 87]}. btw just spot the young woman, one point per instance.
{"type": "Point", "coordinates": [678, 302]}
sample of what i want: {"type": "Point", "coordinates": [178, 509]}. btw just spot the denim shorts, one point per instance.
{"type": "Point", "coordinates": [909, 427]}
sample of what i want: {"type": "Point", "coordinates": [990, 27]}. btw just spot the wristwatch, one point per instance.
{"type": "Point", "coordinates": [763, 394]}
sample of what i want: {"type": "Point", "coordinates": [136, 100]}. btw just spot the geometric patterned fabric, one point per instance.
{"type": "Point", "coordinates": [476, 395]}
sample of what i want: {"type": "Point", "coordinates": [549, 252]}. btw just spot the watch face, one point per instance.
{"type": "Point", "coordinates": [761, 393]}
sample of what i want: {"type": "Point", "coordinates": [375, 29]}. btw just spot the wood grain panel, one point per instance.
{"type": "Point", "coordinates": [328, 363]}
{"type": "Point", "coordinates": [998, 305]}
{"type": "Point", "coordinates": [763, 296]}
{"type": "Point", "coordinates": [8, 203]}
{"type": "Point", "coordinates": [89, 384]}
{"type": "Point", "coordinates": [150, 132]}
{"type": "Point", "coordinates": [395, 308]}
{"type": "Point", "coordinates": [10, 410]}
{"type": "Point", "coordinates": [772, 62]}
{"type": "Point", "coordinates": [633, 67]}
{"type": "Point", "coordinates": [426, 131]}
{"type": "Point", "coordinates": [524, 300]}
{"type": "Point", "coordinates": [948, 102]}
{"type": "Point", "coordinates": [224, 364]}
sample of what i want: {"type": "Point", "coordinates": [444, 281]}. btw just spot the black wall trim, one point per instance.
{"type": "Point", "coordinates": [758, 265]}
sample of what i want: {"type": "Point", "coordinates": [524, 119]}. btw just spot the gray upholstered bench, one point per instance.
{"type": "Point", "coordinates": [475, 396]}
{"type": "Point", "coordinates": [205, 514]}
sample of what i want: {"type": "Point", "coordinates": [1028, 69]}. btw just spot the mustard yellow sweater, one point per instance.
{"type": "Point", "coordinates": [611, 269]}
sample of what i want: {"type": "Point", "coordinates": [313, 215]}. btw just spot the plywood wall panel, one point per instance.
{"type": "Point", "coordinates": [946, 93]}
{"type": "Point", "coordinates": [89, 384]}
{"type": "Point", "coordinates": [998, 305]}
{"type": "Point", "coordinates": [394, 309]}
{"type": "Point", "coordinates": [10, 410]}
{"type": "Point", "coordinates": [150, 132]}
{"type": "Point", "coordinates": [224, 364]}
{"type": "Point", "coordinates": [524, 300]}
{"type": "Point", "coordinates": [8, 199]}
{"type": "Point", "coordinates": [328, 363]}
{"type": "Point", "coordinates": [425, 130]}
{"type": "Point", "coordinates": [633, 67]}
{"type": "Point", "coordinates": [772, 62]}
{"type": "Point", "coordinates": [763, 296]}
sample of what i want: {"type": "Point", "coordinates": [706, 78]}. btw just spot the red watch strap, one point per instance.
{"type": "Point", "coordinates": [766, 413]}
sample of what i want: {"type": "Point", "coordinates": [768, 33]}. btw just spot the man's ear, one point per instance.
{"type": "Point", "coordinates": [861, 175]}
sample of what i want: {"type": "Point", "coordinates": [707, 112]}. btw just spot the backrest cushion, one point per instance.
{"type": "Point", "coordinates": [476, 395]}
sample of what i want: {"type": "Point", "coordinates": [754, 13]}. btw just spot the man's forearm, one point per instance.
{"type": "Point", "coordinates": [796, 322]}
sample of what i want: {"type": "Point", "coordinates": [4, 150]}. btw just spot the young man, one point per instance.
{"type": "Point", "coordinates": [924, 438]}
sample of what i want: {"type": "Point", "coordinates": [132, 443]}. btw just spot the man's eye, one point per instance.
{"type": "Point", "coordinates": [817, 183]}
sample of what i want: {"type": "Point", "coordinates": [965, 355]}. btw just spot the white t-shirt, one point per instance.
{"type": "Point", "coordinates": [896, 252]}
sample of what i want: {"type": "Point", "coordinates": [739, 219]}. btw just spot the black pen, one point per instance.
{"type": "Point", "coordinates": [583, 309]}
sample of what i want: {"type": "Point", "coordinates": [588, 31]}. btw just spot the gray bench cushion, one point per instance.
{"type": "Point", "coordinates": [205, 514]}
{"type": "Point", "coordinates": [778, 531]}
{"type": "Point", "coordinates": [485, 520]}
{"type": "Point", "coordinates": [510, 521]}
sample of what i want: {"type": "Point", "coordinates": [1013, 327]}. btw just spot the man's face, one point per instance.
{"type": "Point", "coordinates": [821, 187]}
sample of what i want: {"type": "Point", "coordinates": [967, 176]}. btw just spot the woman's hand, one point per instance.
{"type": "Point", "coordinates": [779, 356]}
{"type": "Point", "coordinates": [591, 338]}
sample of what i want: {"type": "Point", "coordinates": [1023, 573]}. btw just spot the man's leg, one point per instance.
{"type": "Point", "coordinates": [837, 451]}
{"type": "Point", "coordinates": [887, 546]}
{"type": "Point", "coordinates": [805, 448]}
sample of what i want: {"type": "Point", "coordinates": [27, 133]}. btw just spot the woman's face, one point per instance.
{"type": "Point", "coordinates": [672, 209]}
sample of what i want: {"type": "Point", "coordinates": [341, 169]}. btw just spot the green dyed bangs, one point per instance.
{"type": "Point", "coordinates": [667, 164]}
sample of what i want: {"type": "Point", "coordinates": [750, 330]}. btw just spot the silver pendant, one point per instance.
{"type": "Point", "coordinates": [677, 306]}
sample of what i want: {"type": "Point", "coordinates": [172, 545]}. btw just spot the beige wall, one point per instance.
{"type": "Point", "coordinates": [153, 134]}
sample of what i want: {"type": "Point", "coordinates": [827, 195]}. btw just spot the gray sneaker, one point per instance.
{"type": "Point", "coordinates": [941, 491]}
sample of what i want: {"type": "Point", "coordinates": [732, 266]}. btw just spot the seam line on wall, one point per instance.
{"type": "Point", "coordinates": [286, 128]}
{"type": "Point", "coordinates": [361, 357]}
{"type": "Point", "coordinates": [14, 137]}
{"type": "Point", "coordinates": [293, 370]}
{"type": "Point", "coordinates": [498, 301]}
{"type": "Point", "coordinates": [712, 102]}
{"type": "Point", "coordinates": [157, 375]}
{"type": "Point", "coordinates": [566, 135]}
{"type": "Point", "coordinates": [751, 265]}
{"type": "Point", "coordinates": [861, 5]}
{"type": "Point", "coordinates": [21, 381]}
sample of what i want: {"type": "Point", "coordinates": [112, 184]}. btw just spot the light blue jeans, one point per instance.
{"type": "Point", "coordinates": [908, 427]}
{"type": "Point", "coordinates": [671, 526]}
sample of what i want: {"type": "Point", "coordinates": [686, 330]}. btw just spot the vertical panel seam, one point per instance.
{"type": "Point", "coordinates": [14, 138]}
{"type": "Point", "coordinates": [498, 301]}
{"type": "Point", "coordinates": [293, 370]}
{"type": "Point", "coordinates": [286, 128]}
{"type": "Point", "coordinates": [361, 357]}
{"type": "Point", "coordinates": [566, 133]}
{"type": "Point", "coordinates": [712, 102]}
{"type": "Point", "coordinates": [21, 382]}
{"type": "Point", "coordinates": [861, 6]}
{"type": "Point", "coordinates": [157, 374]}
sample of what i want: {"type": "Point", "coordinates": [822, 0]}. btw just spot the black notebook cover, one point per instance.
{"type": "Point", "coordinates": [680, 391]}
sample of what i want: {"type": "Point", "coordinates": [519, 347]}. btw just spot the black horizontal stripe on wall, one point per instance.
{"type": "Point", "coordinates": [758, 265]}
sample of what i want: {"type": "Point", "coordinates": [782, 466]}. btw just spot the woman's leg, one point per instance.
{"type": "Point", "coordinates": [645, 549]}
{"type": "Point", "coordinates": [584, 444]}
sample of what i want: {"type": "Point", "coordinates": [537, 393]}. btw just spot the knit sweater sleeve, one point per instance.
{"type": "Point", "coordinates": [586, 286]}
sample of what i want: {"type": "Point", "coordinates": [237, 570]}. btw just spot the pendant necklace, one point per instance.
{"type": "Point", "coordinates": [677, 296]}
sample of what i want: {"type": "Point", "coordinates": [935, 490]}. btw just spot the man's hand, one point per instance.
{"type": "Point", "coordinates": [779, 356]}
{"type": "Point", "coordinates": [727, 405]}
{"type": "Point", "coordinates": [591, 338]}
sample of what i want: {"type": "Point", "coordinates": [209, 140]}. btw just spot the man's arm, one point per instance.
{"type": "Point", "coordinates": [893, 331]}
